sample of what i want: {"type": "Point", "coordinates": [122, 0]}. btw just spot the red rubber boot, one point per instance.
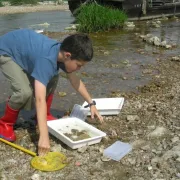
{"type": "Point", "coordinates": [49, 102]}
{"type": "Point", "coordinates": [7, 122]}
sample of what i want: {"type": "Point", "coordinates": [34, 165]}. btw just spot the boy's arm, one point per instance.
{"type": "Point", "coordinates": [41, 108]}
{"type": "Point", "coordinates": [80, 87]}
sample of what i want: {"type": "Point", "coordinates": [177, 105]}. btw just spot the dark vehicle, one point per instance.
{"type": "Point", "coordinates": [135, 8]}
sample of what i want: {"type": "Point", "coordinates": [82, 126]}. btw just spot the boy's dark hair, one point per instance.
{"type": "Point", "coordinates": [79, 45]}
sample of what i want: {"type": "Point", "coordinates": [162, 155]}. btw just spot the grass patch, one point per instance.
{"type": "Point", "coordinates": [94, 18]}
{"type": "Point", "coordinates": [21, 2]}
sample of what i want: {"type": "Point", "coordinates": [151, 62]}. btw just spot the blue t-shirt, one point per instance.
{"type": "Point", "coordinates": [35, 53]}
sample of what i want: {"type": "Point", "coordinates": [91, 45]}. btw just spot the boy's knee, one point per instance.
{"type": "Point", "coordinates": [26, 94]}
{"type": "Point", "coordinates": [20, 98]}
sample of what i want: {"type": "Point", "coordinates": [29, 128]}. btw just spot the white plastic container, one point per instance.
{"type": "Point", "coordinates": [107, 106]}
{"type": "Point", "coordinates": [117, 150]}
{"type": "Point", "coordinates": [59, 127]}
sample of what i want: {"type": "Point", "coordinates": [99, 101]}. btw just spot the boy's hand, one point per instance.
{"type": "Point", "coordinates": [43, 145]}
{"type": "Point", "coordinates": [94, 112]}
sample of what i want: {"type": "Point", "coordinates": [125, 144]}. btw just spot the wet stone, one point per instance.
{"type": "Point", "coordinates": [175, 58]}
{"type": "Point", "coordinates": [147, 71]}
{"type": "Point", "coordinates": [168, 46]}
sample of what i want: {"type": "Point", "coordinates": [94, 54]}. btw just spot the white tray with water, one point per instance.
{"type": "Point", "coordinates": [74, 132]}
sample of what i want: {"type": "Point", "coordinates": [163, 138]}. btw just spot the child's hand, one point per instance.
{"type": "Point", "coordinates": [94, 112]}
{"type": "Point", "coordinates": [43, 145]}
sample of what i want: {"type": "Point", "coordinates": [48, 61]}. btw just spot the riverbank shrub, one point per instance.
{"type": "Point", "coordinates": [21, 2]}
{"type": "Point", "coordinates": [93, 18]}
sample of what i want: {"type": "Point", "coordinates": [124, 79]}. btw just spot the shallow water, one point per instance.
{"type": "Point", "coordinates": [57, 21]}
{"type": "Point", "coordinates": [120, 56]}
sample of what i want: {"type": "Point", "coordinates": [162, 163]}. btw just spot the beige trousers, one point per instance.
{"type": "Point", "coordinates": [22, 84]}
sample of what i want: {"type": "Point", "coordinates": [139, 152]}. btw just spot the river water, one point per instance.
{"type": "Point", "coordinates": [53, 21]}
{"type": "Point", "coordinates": [120, 56]}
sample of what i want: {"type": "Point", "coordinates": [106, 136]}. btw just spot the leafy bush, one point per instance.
{"type": "Point", "coordinates": [20, 2]}
{"type": "Point", "coordinates": [93, 18]}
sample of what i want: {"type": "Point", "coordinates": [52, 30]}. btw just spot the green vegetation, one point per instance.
{"type": "Point", "coordinates": [1, 4]}
{"type": "Point", "coordinates": [20, 2]}
{"type": "Point", "coordinates": [93, 18]}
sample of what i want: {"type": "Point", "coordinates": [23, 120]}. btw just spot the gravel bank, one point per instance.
{"type": "Point", "coordinates": [26, 9]}
{"type": "Point", "coordinates": [149, 121]}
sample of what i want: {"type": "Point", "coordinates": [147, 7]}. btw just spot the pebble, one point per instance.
{"type": "Point", "coordinates": [132, 161]}
{"type": "Point", "coordinates": [105, 159]}
{"type": "Point", "coordinates": [146, 147]}
{"type": "Point", "coordinates": [175, 58]}
{"type": "Point", "coordinates": [35, 177]}
{"type": "Point", "coordinates": [101, 149]}
{"type": "Point", "coordinates": [132, 117]}
{"type": "Point", "coordinates": [168, 46]}
{"type": "Point", "coordinates": [158, 132]}
{"type": "Point", "coordinates": [155, 161]}
{"type": "Point", "coordinates": [82, 149]}
{"type": "Point", "coordinates": [175, 139]}
{"type": "Point", "coordinates": [113, 134]}
{"type": "Point", "coordinates": [77, 163]}
{"type": "Point", "coordinates": [56, 148]}
{"type": "Point", "coordinates": [138, 143]}
{"type": "Point", "coordinates": [106, 53]}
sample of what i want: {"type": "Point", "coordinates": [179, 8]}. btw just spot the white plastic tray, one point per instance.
{"type": "Point", "coordinates": [107, 106]}
{"type": "Point", "coordinates": [117, 150]}
{"type": "Point", "coordinates": [65, 125]}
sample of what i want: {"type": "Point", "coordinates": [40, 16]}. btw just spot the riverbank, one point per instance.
{"type": "Point", "coordinates": [149, 119]}
{"type": "Point", "coordinates": [36, 8]}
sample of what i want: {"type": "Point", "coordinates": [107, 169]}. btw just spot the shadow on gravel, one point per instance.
{"type": "Point", "coordinates": [26, 121]}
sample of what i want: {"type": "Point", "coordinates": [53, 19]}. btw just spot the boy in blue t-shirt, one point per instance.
{"type": "Point", "coordinates": [27, 58]}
